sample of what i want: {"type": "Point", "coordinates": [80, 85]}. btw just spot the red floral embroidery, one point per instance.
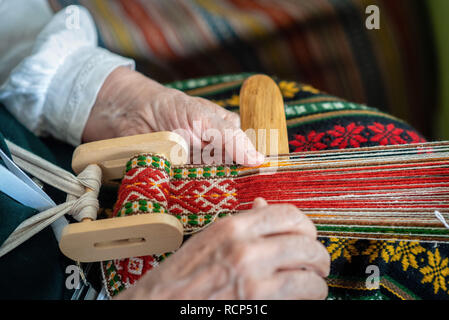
{"type": "Point", "coordinates": [416, 138]}
{"type": "Point", "coordinates": [132, 269]}
{"type": "Point", "coordinates": [349, 135]}
{"type": "Point", "coordinates": [310, 143]}
{"type": "Point", "coordinates": [386, 135]}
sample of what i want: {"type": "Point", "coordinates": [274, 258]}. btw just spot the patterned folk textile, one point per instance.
{"type": "Point", "coordinates": [320, 42]}
{"type": "Point", "coordinates": [316, 121]}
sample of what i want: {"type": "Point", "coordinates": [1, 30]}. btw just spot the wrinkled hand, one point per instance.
{"type": "Point", "coordinates": [268, 252]}
{"type": "Point", "coordinates": [130, 103]}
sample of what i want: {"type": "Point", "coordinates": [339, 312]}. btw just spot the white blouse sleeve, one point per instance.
{"type": "Point", "coordinates": [53, 88]}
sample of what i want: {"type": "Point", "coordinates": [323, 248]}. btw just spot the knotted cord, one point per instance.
{"type": "Point", "coordinates": [80, 204]}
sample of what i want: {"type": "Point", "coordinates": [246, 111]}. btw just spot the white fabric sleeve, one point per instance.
{"type": "Point", "coordinates": [52, 90]}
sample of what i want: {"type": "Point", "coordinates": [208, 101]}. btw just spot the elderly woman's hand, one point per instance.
{"type": "Point", "coordinates": [130, 103]}
{"type": "Point", "coordinates": [269, 252]}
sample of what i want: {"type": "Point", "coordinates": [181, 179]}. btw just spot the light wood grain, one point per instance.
{"type": "Point", "coordinates": [112, 154]}
{"type": "Point", "coordinates": [129, 236]}
{"type": "Point", "coordinates": [262, 107]}
{"type": "Point", "coordinates": [122, 237]}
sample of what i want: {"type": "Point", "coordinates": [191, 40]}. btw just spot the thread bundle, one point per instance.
{"type": "Point", "coordinates": [388, 192]}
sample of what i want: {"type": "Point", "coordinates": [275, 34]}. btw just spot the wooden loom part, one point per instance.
{"type": "Point", "coordinates": [130, 236]}
{"type": "Point", "coordinates": [261, 108]}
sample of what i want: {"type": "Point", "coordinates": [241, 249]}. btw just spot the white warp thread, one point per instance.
{"type": "Point", "coordinates": [441, 218]}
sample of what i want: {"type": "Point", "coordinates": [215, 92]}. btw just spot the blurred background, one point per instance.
{"type": "Point", "coordinates": [401, 68]}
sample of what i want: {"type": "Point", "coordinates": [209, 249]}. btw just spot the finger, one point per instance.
{"type": "Point", "coordinates": [232, 117]}
{"type": "Point", "coordinates": [221, 112]}
{"type": "Point", "coordinates": [243, 151]}
{"type": "Point", "coordinates": [259, 203]}
{"type": "Point", "coordinates": [275, 219]}
{"type": "Point", "coordinates": [234, 143]}
{"type": "Point", "coordinates": [288, 252]}
{"type": "Point", "coordinates": [302, 285]}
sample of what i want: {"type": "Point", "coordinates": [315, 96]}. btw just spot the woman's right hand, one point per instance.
{"type": "Point", "coordinates": [130, 103]}
{"type": "Point", "coordinates": [268, 252]}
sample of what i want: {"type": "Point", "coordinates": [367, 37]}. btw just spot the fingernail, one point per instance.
{"type": "Point", "coordinates": [259, 203]}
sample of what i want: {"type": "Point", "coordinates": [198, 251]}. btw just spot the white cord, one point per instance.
{"type": "Point", "coordinates": [80, 204]}
{"type": "Point", "coordinates": [441, 218]}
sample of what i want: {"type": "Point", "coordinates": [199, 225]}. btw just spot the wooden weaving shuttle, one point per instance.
{"type": "Point", "coordinates": [262, 107]}
{"type": "Point", "coordinates": [129, 236]}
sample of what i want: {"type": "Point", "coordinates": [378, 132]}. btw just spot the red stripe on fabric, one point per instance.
{"type": "Point", "coordinates": [151, 32]}
{"type": "Point", "coordinates": [277, 15]}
